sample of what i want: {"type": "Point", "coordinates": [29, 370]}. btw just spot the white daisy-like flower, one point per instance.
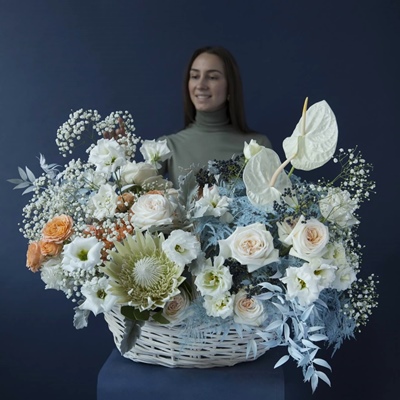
{"type": "Point", "coordinates": [81, 253]}
{"type": "Point", "coordinates": [98, 299]}
{"type": "Point", "coordinates": [181, 247]}
{"type": "Point", "coordinates": [155, 152]}
{"type": "Point", "coordinates": [107, 156]}
{"type": "Point", "coordinates": [104, 203]}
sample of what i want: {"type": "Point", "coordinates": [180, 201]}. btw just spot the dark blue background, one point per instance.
{"type": "Point", "coordinates": [109, 55]}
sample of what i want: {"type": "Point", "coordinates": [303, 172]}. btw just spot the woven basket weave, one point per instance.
{"type": "Point", "coordinates": [163, 345]}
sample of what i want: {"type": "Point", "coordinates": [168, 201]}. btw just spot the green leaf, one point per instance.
{"type": "Point", "coordinates": [134, 314]}
{"type": "Point", "coordinates": [131, 334]}
{"type": "Point", "coordinates": [159, 317]}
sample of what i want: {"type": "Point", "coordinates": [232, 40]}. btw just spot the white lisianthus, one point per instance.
{"type": "Point", "coordinates": [251, 245]}
{"type": "Point", "coordinates": [285, 228]}
{"type": "Point", "coordinates": [152, 209]}
{"type": "Point", "coordinates": [345, 276]}
{"type": "Point", "coordinates": [211, 203]}
{"type": "Point", "coordinates": [336, 253]}
{"type": "Point", "coordinates": [107, 156]}
{"type": "Point", "coordinates": [94, 179]}
{"type": "Point", "coordinates": [338, 207]}
{"type": "Point", "coordinates": [301, 283]}
{"type": "Point", "coordinates": [215, 279]}
{"type": "Point", "coordinates": [181, 247]}
{"type": "Point", "coordinates": [308, 238]}
{"type": "Point", "coordinates": [81, 253]}
{"type": "Point", "coordinates": [137, 173]}
{"type": "Point", "coordinates": [325, 273]}
{"type": "Point", "coordinates": [174, 309]}
{"type": "Point", "coordinates": [155, 151]}
{"type": "Point", "coordinates": [98, 299]}
{"type": "Point", "coordinates": [248, 310]}
{"type": "Point", "coordinates": [251, 149]}
{"type": "Point", "coordinates": [219, 306]}
{"type": "Point", "coordinates": [104, 203]}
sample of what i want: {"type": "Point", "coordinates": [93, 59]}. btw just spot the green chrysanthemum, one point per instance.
{"type": "Point", "coordinates": [141, 275]}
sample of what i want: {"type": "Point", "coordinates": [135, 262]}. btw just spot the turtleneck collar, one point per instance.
{"type": "Point", "coordinates": [212, 121]}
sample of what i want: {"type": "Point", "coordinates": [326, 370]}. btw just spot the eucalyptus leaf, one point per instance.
{"type": "Point", "coordinates": [81, 318]}
{"type": "Point", "coordinates": [281, 361]}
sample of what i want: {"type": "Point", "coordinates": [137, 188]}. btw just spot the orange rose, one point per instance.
{"type": "Point", "coordinates": [50, 248]}
{"type": "Point", "coordinates": [34, 257]}
{"type": "Point", "coordinates": [58, 229]}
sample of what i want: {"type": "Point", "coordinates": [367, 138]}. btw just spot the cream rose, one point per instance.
{"type": "Point", "coordinates": [137, 173]}
{"type": "Point", "coordinates": [251, 149]}
{"type": "Point", "coordinates": [174, 309]}
{"type": "Point", "coordinates": [251, 245]}
{"type": "Point", "coordinates": [309, 239]}
{"type": "Point", "coordinates": [248, 310]}
{"type": "Point", "coordinates": [58, 229]}
{"type": "Point", "coordinates": [152, 209]}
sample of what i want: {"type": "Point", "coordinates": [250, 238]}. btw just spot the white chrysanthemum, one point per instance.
{"type": "Point", "coordinates": [181, 247]}
{"type": "Point", "coordinates": [215, 279]}
{"type": "Point", "coordinates": [81, 253]}
{"type": "Point", "coordinates": [52, 274]}
{"type": "Point", "coordinates": [211, 203]}
{"type": "Point", "coordinates": [220, 306]}
{"type": "Point", "coordinates": [107, 156]}
{"type": "Point", "coordinates": [155, 151]}
{"type": "Point", "coordinates": [141, 274]}
{"type": "Point", "coordinates": [104, 203]}
{"type": "Point", "coordinates": [301, 283]}
{"type": "Point", "coordinates": [98, 299]}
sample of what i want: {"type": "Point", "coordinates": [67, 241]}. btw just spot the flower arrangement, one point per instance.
{"type": "Point", "coordinates": [240, 244]}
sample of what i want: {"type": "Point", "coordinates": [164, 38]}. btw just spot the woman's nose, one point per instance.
{"type": "Point", "coordinates": [202, 82]}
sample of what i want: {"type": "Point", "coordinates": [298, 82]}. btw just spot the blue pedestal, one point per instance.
{"type": "Point", "coordinates": [123, 379]}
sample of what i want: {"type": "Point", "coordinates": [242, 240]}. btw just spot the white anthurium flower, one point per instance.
{"type": "Point", "coordinates": [211, 203]}
{"type": "Point", "coordinates": [308, 239]}
{"type": "Point", "coordinates": [155, 151]}
{"type": "Point", "coordinates": [324, 272]}
{"type": "Point", "coordinates": [301, 283]}
{"type": "Point", "coordinates": [81, 253]}
{"type": "Point", "coordinates": [248, 310]}
{"type": "Point", "coordinates": [345, 276]}
{"type": "Point", "coordinates": [215, 278]}
{"type": "Point", "coordinates": [152, 209]}
{"type": "Point", "coordinates": [251, 245]}
{"type": "Point", "coordinates": [219, 306]}
{"type": "Point", "coordinates": [137, 173]}
{"type": "Point", "coordinates": [251, 149]}
{"type": "Point", "coordinates": [107, 156]}
{"type": "Point", "coordinates": [104, 203]}
{"type": "Point", "coordinates": [338, 207]}
{"type": "Point", "coordinates": [181, 247]}
{"type": "Point", "coordinates": [263, 185]}
{"type": "Point", "coordinates": [97, 297]}
{"type": "Point", "coordinates": [314, 138]}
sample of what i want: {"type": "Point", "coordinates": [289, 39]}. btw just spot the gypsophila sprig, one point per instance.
{"type": "Point", "coordinates": [243, 253]}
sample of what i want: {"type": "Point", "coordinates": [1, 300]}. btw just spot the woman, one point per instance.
{"type": "Point", "coordinates": [215, 123]}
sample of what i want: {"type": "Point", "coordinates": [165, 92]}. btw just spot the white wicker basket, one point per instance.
{"type": "Point", "coordinates": [162, 345]}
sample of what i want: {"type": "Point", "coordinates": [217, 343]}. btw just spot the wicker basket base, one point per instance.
{"type": "Point", "coordinates": [162, 345]}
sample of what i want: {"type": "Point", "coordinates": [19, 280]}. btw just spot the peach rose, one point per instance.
{"type": "Point", "coordinates": [50, 248]}
{"type": "Point", "coordinates": [34, 257]}
{"type": "Point", "coordinates": [58, 229]}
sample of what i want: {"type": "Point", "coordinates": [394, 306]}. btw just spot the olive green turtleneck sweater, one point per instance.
{"type": "Point", "coordinates": [210, 137]}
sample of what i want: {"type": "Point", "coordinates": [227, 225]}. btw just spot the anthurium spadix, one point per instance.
{"type": "Point", "coordinates": [258, 173]}
{"type": "Point", "coordinates": [314, 139]}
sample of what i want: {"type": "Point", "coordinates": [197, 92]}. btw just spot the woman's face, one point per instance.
{"type": "Point", "coordinates": [207, 85]}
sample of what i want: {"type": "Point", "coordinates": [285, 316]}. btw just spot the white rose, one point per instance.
{"type": "Point", "coordinates": [251, 245]}
{"type": "Point", "coordinates": [152, 210]}
{"type": "Point", "coordinates": [220, 306]}
{"type": "Point", "coordinates": [155, 151]}
{"type": "Point", "coordinates": [181, 247]}
{"type": "Point", "coordinates": [248, 310]}
{"type": "Point", "coordinates": [308, 238]}
{"type": "Point", "coordinates": [301, 283]}
{"type": "Point", "coordinates": [174, 309]}
{"type": "Point", "coordinates": [81, 253]}
{"type": "Point", "coordinates": [215, 279]}
{"type": "Point", "coordinates": [345, 276]}
{"type": "Point", "coordinates": [107, 155]}
{"type": "Point", "coordinates": [251, 149]}
{"type": "Point", "coordinates": [137, 173]}
{"type": "Point", "coordinates": [338, 207]}
{"type": "Point", "coordinates": [104, 203]}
